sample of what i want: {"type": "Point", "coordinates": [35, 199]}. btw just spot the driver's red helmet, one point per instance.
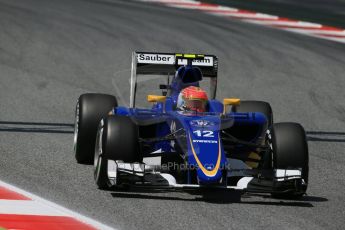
{"type": "Point", "coordinates": [192, 98]}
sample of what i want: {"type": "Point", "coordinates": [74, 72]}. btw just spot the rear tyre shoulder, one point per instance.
{"type": "Point", "coordinates": [255, 106]}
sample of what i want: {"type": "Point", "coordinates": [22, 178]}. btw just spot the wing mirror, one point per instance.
{"type": "Point", "coordinates": [230, 101]}
{"type": "Point", "coordinates": [156, 98]}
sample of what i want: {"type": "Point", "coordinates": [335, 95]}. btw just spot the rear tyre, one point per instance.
{"type": "Point", "coordinates": [264, 108]}
{"type": "Point", "coordinates": [90, 109]}
{"type": "Point", "coordinates": [290, 151]}
{"type": "Point", "coordinates": [117, 139]}
{"type": "Point", "coordinates": [255, 106]}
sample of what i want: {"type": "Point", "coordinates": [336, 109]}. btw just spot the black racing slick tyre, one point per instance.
{"type": "Point", "coordinates": [290, 151]}
{"type": "Point", "coordinates": [117, 139]}
{"type": "Point", "coordinates": [90, 109]}
{"type": "Point", "coordinates": [255, 106]}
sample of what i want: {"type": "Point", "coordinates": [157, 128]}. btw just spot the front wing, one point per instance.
{"type": "Point", "coordinates": [251, 180]}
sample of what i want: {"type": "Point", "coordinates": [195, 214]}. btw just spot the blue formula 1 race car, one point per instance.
{"type": "Point", "coordinates": [187, 139]}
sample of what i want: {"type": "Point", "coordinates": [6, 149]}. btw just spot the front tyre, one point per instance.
{"type": "Point", "coordinates": [118, 140]}
{"type": "Point", "coordinates": [290, 151]}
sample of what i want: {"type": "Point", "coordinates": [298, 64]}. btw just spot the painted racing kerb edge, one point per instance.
{"type": "Point", "coordinates": [275, 21]}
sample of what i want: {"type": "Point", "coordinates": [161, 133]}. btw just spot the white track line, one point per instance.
{"type": "Point", "coordinates": [27, 207]}
{"type": "Point", "coordinates": [246, 15]}
{"type": "Point", "coordinates": [286, 23]}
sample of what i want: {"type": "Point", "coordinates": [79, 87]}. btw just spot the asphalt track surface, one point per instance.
{"type": "Point", "coordinates": [53, 51]}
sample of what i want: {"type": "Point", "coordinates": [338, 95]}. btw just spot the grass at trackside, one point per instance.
{"type": "Point", "coordinates": [331, 12]}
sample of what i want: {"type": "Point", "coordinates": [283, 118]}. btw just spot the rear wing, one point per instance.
{"type": "Point", "coordinates": [151, 63]}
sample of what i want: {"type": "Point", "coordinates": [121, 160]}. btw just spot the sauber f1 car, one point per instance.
{"type": "Point", "coordinates": [229, 144]}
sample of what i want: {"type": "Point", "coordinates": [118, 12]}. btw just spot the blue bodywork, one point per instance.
{"type": "Point", "coordinates": [197, 135]}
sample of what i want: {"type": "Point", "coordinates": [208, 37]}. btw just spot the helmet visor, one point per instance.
{"type": "Point", "coordinates": [198, 105]}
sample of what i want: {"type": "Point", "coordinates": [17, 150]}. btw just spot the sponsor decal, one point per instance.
{"type": "Point", "coordinates": [205, 141]}
{"type": "Point", "coordinates": [169, 59]}
{"type": "Point", "coordinates": [207, 61]}
{"type": "Point", "coordinates": [156, 59]}
{"type": "Point", "coordinates": [201, 123]}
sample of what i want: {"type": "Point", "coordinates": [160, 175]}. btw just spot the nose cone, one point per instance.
{"type": "Point", "coordinates": [207, 155]}
{"type": "Point", "coordinates": [205, 150]}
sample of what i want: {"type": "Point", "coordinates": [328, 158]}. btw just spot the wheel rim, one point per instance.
{"type": "Point", "coordinates": [97, 160]}
{"type": "Point", "coordinates": [269, 142]}
{"type": "Point", "coordinates": [76, 127]}
{"type": "Point", "coordinates": [98, 146]}
{"type": "Point", "coordinates": [98, 168]}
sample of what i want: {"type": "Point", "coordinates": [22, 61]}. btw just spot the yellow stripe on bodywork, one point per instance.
{"type": "Point", "coordinates": [212, 172]}
{"type": "Point", "coordinates": [253, 156]}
